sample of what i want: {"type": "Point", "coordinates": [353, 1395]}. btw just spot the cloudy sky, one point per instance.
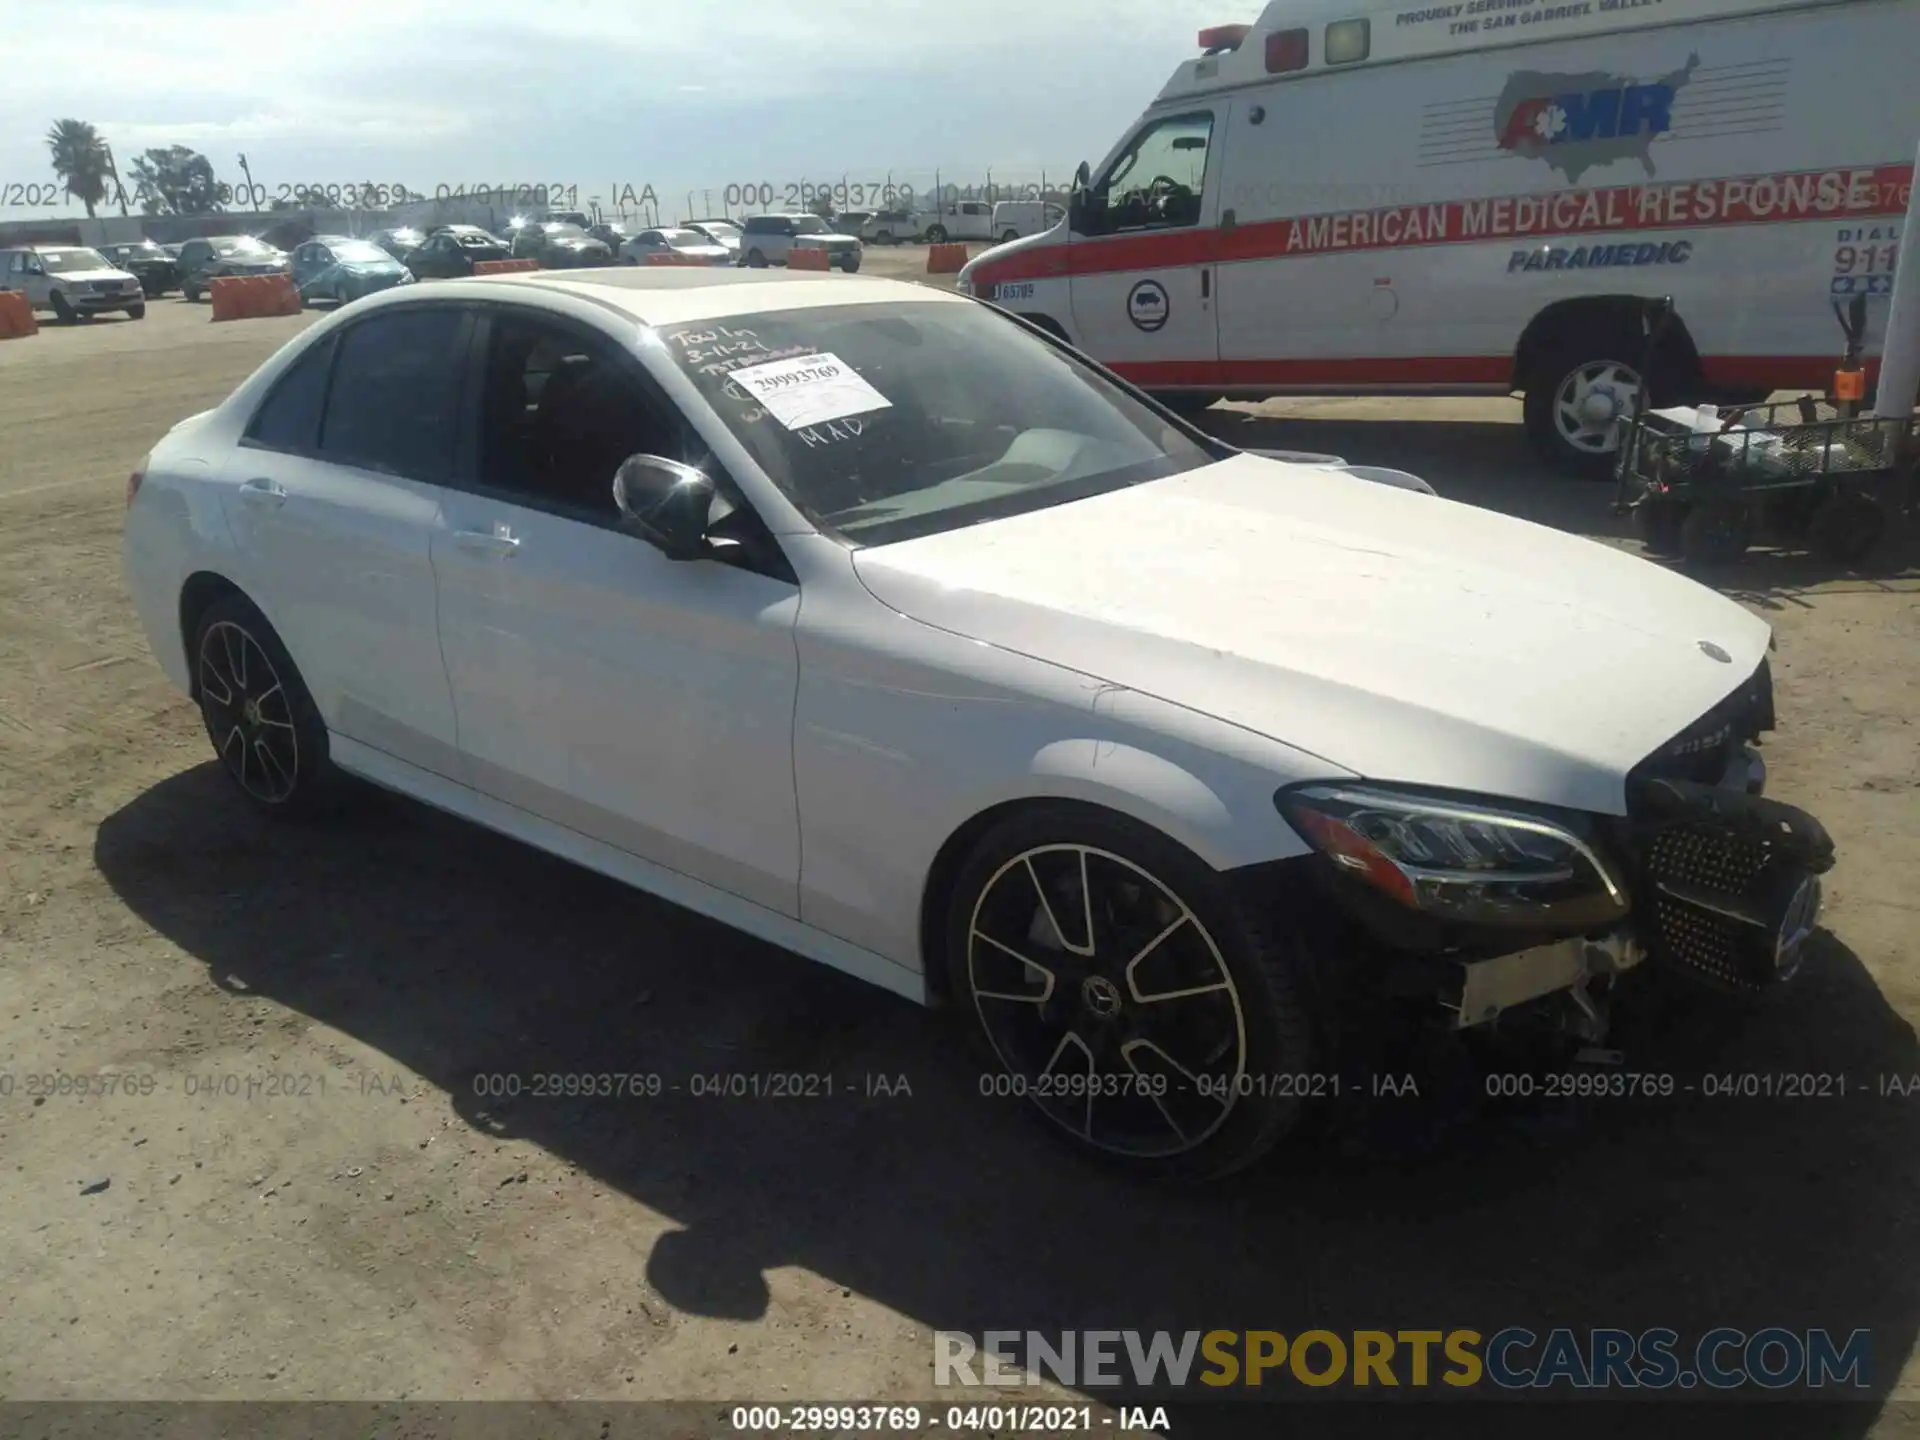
{"type": "Point", "coordinates": [678, 94]}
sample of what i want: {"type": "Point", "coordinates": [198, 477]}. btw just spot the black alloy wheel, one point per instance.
{"type": "Point", "coordinates": [1120, 990]}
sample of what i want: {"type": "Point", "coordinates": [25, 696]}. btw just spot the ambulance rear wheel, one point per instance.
{"type": "Point", "coordinates": [1580, 388]}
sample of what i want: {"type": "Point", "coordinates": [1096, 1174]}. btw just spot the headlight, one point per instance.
{"type": "Point", "coordinates": [1458, 859]}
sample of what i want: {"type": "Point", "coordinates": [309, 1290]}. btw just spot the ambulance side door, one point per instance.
{"type": "Point", "coordinates": [1144, 252]}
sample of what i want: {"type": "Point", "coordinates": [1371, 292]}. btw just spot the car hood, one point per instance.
{"type": "Point", "coordinates": [1394, 634]}
{"type": "Point", "coordinates": [97, 273]}
{"type": "Point", "coordinates": [830, 238]}
{"type": "Point", "coordinates": [702, 252]}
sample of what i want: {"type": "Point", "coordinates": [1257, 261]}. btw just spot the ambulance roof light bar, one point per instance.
{"type": "Point", "coordinates": [1220, 39]}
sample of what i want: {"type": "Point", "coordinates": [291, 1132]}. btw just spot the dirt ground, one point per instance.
{"type": "Point", "coordinates": [384, 1231]}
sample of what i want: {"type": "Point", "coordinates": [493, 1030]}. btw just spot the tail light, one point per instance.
{"type": "Point", "coordinates": [134, 481]}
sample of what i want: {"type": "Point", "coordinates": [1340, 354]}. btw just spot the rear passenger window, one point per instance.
{"type": "Point", "coordinates": [396, 387]}
{"type": "Point", "coordinates": [289, 418]}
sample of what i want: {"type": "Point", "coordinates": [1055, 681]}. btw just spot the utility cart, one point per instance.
{"type": "Point", "coordinates": [1703, 483]}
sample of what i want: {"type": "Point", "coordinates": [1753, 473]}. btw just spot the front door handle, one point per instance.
{"type": "Point", "coordinates": [261, 491]}
{"type": "Point", "coordinates": [498, 542]}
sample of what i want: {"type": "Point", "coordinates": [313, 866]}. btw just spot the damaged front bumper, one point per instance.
{"type": "Point", "coordinates": [1725, 888]}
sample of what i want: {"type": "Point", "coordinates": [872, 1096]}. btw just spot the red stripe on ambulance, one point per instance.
{"type": "Point", "coordinates": [1783, 198]}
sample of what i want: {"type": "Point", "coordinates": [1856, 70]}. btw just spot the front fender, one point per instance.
{"type": "Point", "coordinates": [901, 743]}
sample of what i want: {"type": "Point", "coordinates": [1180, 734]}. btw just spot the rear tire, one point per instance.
{"type": "Point", "coordinates": [1009, 237]}
{"type": "Point", "coordinates": [1068, 930]}
{"type": "Point", "coordinates": [1847, 526]}
{"type": "Point", "coordinates": [1576, 390]}
{"type": "Point", "coordinates": [756, 260]}
{"type": "Point", "coordinates": [1716, 532]}
{"type": "Point", "coordinates": [936, 234]}
{"type": "Point", "coordinates": [1658, 524]}
{"type": "Point", "coordinates": [265, 729]}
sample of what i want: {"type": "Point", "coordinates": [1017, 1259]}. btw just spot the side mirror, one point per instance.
{"type": "Point", "coordinates": [665, 503]}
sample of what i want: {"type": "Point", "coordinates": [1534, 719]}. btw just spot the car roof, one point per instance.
{"type": "Point", "coordinates": [655, 296]}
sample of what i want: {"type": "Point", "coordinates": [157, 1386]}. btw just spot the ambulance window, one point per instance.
{"type": "Point", "coordinates": [1157, 183]}
{"type": "Point", "coordinates": [1346, 42]}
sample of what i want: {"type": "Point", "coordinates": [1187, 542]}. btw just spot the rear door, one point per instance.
{"type": "Point", "coordinates": [645, 702]}
{"type": "Point", "coordinates": [1143, 274]}
{"type": "Point", "coordinates": [333, 497]}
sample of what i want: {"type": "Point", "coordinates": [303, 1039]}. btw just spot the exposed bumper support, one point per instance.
{"type": "Point", "coordinates": [1492, 986]}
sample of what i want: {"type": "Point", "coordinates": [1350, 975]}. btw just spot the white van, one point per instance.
{"type": "Point", "coordinates": [1483, 196]}
{"type": "Point", "coordinates": [1016, 219]}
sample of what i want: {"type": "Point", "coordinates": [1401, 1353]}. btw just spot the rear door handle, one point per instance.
{"type": "Point", "coordinates": [260, 491]}
{"type": "Point", "coordinates": [499, 542]}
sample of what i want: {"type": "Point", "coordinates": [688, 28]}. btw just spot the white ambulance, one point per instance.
{"type": "Point", "coordinates": [1483, 196]}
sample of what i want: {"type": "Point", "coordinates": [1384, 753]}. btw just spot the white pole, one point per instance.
{"type": "Point", "coordinates": [1900, 350]}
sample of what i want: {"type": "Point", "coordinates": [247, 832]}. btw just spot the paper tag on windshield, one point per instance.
{"type": "Point", "coordinates": [809, 390]}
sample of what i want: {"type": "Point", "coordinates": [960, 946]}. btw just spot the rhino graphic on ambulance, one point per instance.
{"type": "Point", "coordinates": [1574, 122]}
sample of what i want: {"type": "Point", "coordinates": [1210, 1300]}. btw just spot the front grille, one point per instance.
{"type": "Point", "coordinates": [1699, 881]}
{"type": "Point", "coordinates": [1717, 872]}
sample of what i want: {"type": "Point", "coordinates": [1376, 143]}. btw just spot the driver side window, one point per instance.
{"type": "Point", "coordinates": [1158, 181]}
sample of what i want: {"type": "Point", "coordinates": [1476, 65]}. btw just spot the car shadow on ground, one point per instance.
{"type": "Point", "coordinates": [1489, 464]}
{"type": "Point", "coordinates": [457, 952]}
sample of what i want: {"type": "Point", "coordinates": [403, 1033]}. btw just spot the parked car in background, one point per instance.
{"type": "Point", "coordinates": [400, 242]}
{"type": "Point", "coordinates": [957, 220]}
{"type": "Point", "coordinates": [453, 250]}
{"type": "Point", "coordinates": [173, 251]}
{"type": "Point", "coordinates": [849, 222]}
{"type": "Point", "coordinates": [204, 260]}
{"type": "Point", "coordinates": [566, 217]}
{"type": "Point", "coordinates": [72, 281]}
{"type": "Point", "coordinates": [611, 233]}
{"type": "Point", "coordinates": [890, 227]}
{"type": "Point", "coordinates": [684, 242]}
{"type": "Point", "coordinates": [721, 232]}
{"type": "Point", "coordinates": [341, 269]}
{"type": "Point", "coordinates": [1013, 219]}
{"type": "Point", "coordinates": [768, 239]}
{"type": "Point", "coordinates": [157, 271]}
{"type": "Point", "coordinates": [560, 245]}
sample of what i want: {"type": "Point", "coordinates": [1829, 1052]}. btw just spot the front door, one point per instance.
{"type": "Point", "coordinates": [1143, 273]}
{"type": "Point", "coordinates": [332, 496]}
{"type": "Point", "coordinates": [644, 702]}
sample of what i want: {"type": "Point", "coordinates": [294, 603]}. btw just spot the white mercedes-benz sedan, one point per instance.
{"type": "Point", "coordinates": [882, 626]}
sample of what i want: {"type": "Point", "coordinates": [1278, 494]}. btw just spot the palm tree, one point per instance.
{"type": "Point", "coordinates": [80, 159]}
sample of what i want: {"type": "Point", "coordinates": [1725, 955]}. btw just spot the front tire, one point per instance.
{"type": "Point", "coordinates": [62, 311]}
{"type": "Point", "coordinates": [137, 312]}
{"type": "Point", "coordinates": [190, 294]}
{"type": "Point", "coordinates": [265, 729]}
{"type": "Point", "coordinates": [1577, 391]}
{"type": "Point", "coordinates": [1113, 981]}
